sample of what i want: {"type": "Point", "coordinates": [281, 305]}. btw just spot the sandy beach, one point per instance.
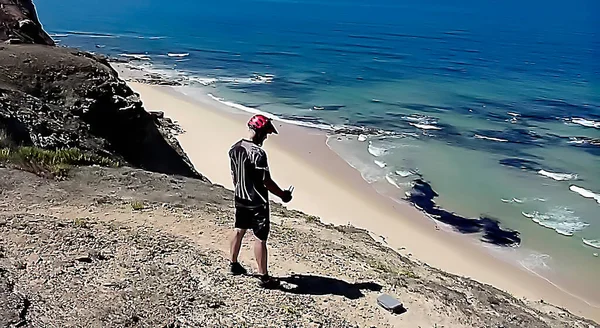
{"type": "Point", "coordinates": [327, 187]}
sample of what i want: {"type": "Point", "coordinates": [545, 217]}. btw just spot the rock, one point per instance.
{"type": "Point", "coordinates": [26, 23]}
{"type": "Point", "coordinates": [33, 259]}
{"type": "Point", "coordinates": [19, 23]}
{"type": "Point", "coordinates": [63, 98]}
{"type": "Point", "coordinates": [13, 307]}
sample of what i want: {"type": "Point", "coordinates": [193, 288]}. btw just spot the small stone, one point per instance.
{"type": "Point", "coordinates": [84, 259]}
{"type": "Point", "coordinates": [33, 259]}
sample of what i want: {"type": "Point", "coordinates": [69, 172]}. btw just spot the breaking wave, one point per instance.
{"type": "Point", "coordinates": [559, 176]}
{"type": "Point", "coordinates": [177, 55]}
{"type": "Point", "coordinates": [490, 138]}
{"type": "Point", "coordinates": [585, 122]}
{"type": "Point", "coordinates": [380, 163]}
{"type": "Point", "coordinates": [274, 117]}
{"type": "Point", "coordinates": [425, 126]}
{"type": "Point", "coordinates": [595, 243]}
{"type": "Point", "coordinates": [136, 56]}
{"type": "Point", "coordinates": [585, 193]}
{"type": "Point", "coordinates": [560, 219]}
{"type": "Point", "coordinates": [377, 151]}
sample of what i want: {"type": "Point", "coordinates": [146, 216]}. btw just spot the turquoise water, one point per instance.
{"type": "Point", "coordinates": [474, 99]}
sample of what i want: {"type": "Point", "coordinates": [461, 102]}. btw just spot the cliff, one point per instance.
{"type": "Point", "coordinates": [55, 97]}
{"type": "Point", "coordinates": [19, 23]}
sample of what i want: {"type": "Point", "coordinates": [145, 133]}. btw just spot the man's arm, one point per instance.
{"type": "Point", "coordinates": [272, 185]}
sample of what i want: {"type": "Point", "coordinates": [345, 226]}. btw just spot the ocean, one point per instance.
{"type": "Point", "coordinates": [485, 115]}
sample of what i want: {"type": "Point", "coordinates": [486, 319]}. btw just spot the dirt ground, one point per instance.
{"type": "Point", "coordinates": [129, 248]}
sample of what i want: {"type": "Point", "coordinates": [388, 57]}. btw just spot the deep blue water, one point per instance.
{"type": "Point", "coordinates": [477, 96]}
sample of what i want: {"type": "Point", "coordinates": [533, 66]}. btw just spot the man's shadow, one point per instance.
{"type": "Point", "coordinates": [319, 285]}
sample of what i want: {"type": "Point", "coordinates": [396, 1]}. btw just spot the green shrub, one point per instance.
{"type": "Point", "coordinates": [56, 163]}
{"type": "Point", "coordinates": [137, 205]}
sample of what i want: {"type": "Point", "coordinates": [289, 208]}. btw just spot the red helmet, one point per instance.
{"type": "Point", "coordinates": [260, 122]}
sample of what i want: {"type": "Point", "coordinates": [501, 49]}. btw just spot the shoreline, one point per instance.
{"type": "Point", "coordinates": [343, 196]}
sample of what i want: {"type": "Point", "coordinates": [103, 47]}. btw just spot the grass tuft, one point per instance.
{"type": "Point", "coordinates": [137, 205]}
{"type": "Point", "coordinates": [313, 219]}
{"type": "Point", "coordinates": [52, 163]}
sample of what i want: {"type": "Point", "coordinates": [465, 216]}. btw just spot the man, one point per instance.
{"type": "Point", "coordinates": [252, 182]}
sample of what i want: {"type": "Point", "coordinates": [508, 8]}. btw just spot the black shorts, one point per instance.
{"type": "Point", "coordinates": [256, 219]}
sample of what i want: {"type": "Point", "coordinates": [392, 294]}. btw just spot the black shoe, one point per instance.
{"type": "Point", "coordinates": [269, 282]}
{"type": "Point", "coordinates": [237, 269]}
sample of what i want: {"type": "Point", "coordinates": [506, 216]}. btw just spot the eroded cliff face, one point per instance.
{"type": "Point", "coordinates": [56, 97]}
{"type": "Point", "coordinates": [19, 23]}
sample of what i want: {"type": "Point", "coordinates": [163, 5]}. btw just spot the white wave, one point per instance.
{"type": "Point", "coordinates": [528, 215]}
{"type": "Point", "coordinates": [516, 200]}
{"type": "Point", "coordinates": [256, 79]}
{"type": "Point", "coordinates": [362, 138]}
{"type": "Point", "coordinates": [560, 219]}
{"type": "Point", "coordinates": [376, 151]}
{"type": "Point", "coordinates": [95, 36]}
{"type": "Point", "coordinates": [392, 182]}
{"type": "Point", "coordinates": [177, 55]}
{"type": "Point", "coordinates": [536, 261]}
{"type": "Point", "coordinates": [558, 176]}
{"type": "Point", "coordinates": [59, 35]}
{"type": "Point", "coordinates": [417, 119]}
{"type": "Point", "coordinates": [592, 242]}
{"type": "Point", "coordinates": [273, 117]}
{"type": "Point", "coordinates": [203, 80]}
{"type": "Point", "coordinates": [380, 163]}
{"type": "Point", "coordinates": [136, 56]}
{"type": "Point", "coordinates": [478, 136]}
{"type": "Point", "coordinates": [505, 200]}
{"type": "Point", "coordinates": [405, 174]}
{"type": "Point", "coordinates": [421, 119]}
{"type": "Point", "coordinates": [157, 37]}
{"type": "Point", "coordinates": [425, 126]}
{"type": "Point", "coordinates": [585, 193]}
{"type": "Point", "coordinates": [513, 114]}
{"type": "Point", "coordinates": [586, 122]}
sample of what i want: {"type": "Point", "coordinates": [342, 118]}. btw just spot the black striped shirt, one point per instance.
{"type": "Point", "coordinates": [248, 169]}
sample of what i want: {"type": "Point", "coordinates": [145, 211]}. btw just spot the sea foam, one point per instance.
{"type": "Point", "coordinates": [274, 117]}
{"type": "Point", "coordinates": [425, 126]}
{"type": "Point", "coordinates": [585, 193]}
{"type": "Point", "coordinates": [376, 151]}
{"type": "Point", "coordinates": [177, 55]}
{"type": "Point", "coordinates": [380, 163]}
{"type": "Point", "coordinates": [592, 242]}
{"type": "Point", "coordinates": [558, 176]}
{"type": "Point", "coordinates": [478, 136]}
{"type": "Point", "coordinates": [391, 180]}
{"type": "Point", "coordinates": [136, 56]}
{"type": "Point", "coordinates": [585, 122]}
{"type": "Point", "coordinates": [560, 219]}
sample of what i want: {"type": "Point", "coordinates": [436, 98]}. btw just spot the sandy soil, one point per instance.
{"type": "Point", "coordinates": [79, 253]}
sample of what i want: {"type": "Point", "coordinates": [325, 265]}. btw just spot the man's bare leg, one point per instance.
{"type": "Point", "coordinates": [260, 253]}
{"type": "Point", "coordinates": [236, 244]}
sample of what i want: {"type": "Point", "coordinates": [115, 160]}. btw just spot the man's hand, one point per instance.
{"type": "Point", "coordinates": [287, 195]}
